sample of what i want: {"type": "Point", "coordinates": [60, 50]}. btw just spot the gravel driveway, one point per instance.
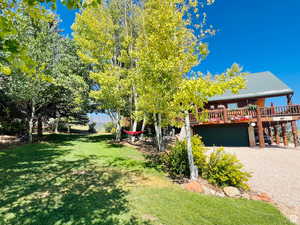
{"type": "Point", "coordinates": [275, 171]}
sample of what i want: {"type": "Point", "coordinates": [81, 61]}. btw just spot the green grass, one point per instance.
{"type": "Point", "coordinates": [77, 179]}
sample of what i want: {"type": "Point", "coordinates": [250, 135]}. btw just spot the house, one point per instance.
{"type": "Point", "coordinates": [244, 119]}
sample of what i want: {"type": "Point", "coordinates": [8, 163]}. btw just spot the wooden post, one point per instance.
{"type": "Point", "coordinates": [293, 124]}
{"type": "Point", "coordinates": [295, 133]}
{"type": "Point", "coordinates": [261, 138]}
{"type": "Point", "coordinates": [289, 99]}
{"type": "Point", "coordinates": [270, 133]}
{"type": "Point", "coordinates": [251, 135]}
{"type": "Point", "coordinates": [284, 136]}
{"type": "Point", "coordinates": [225, 115]}
{"type": "Point", "coordinates": [276, 135]}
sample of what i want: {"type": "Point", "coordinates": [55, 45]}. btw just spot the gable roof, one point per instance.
{"type": "Point", "coordinates": [263, 84]}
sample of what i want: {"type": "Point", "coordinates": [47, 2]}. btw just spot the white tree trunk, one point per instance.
{"type": "Point", "coordinates": [30, 122]}
{"type": "Point", "coordinates": [134, 126]}
{"type": "Point", "coordinates": [135, 99]}
{"type": "Point", "coordinates": [143, 127]}
{"type": "Point", "coordinates": [119, 127]}
{"type": "Point", "coordinates": [158, 132]}
{"type": "Point", "coordinates": [68, 127]}
{"type": "Point", "coordinates": [56, 122]}
{"type": "Point", "coordinates": [193, 168]}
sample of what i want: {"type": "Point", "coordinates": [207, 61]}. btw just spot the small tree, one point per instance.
{"type": "Point", "coordinates": [193, 93]}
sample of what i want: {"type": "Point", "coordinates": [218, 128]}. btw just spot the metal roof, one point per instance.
{"type": "Point", "coordinates": [263, 84]}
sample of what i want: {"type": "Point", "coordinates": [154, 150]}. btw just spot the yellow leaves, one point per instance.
{"type": "Point", "coordinates": [86, 58]}
{"type": "Point", "coordinates": [94, 33]}
{"type": "Point", "coordinates": [203, 49]}
{"type": "Point", "coordinates": [45, 78]}
{"type": "Point", "coordinates": [5, 70]}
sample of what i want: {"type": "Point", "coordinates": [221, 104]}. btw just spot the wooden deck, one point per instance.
{"type": "Point", "coordinates": [245, 115]}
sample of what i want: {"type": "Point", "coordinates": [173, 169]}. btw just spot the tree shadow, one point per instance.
{"type": "Point", "coordinates": [38, 188]}
{"type": "Point", "coordinates": [98, 138]}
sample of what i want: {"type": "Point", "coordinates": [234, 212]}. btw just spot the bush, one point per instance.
{"type": "Point", "coordinates": [109, 127]}
{"type": "Point", "coordinates": [224, 169]}
{"type": "Point", "coordinates": [13, 127]}
{"type": "Point", "coordinates": [176, 161]}
{"type": "Point", "coordinates": [62, 126]}
{"type": "Point", "coordinates": [219, 168]}
{"type": "Point", "coordinates": [92, 127]}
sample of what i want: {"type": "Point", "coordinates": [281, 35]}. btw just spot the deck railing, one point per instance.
{"type": "Point", "coordinates": [245, 114]}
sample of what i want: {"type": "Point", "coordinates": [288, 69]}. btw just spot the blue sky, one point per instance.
{"type": "Point", "coordinates": [259, 35]}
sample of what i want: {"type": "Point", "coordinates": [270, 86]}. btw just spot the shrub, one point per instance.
{"type": "Point", "coordinates": [219, 168]}
{"type": "Point", "coordinates": [15, 126]}
{"type": "Point", "coordinates": [92, 127]}
{"type": "Point", "coordinates": [176, 161]}
{"type": "Point", "coordinates": [109, 127]}
{"type": "Point", "coordinates": [62, 126]}
{"type": "Point", "coordinates": [224, 169]}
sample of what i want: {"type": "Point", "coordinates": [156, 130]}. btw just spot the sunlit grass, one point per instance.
{"type": "Point", "coordinates": [82, 179]}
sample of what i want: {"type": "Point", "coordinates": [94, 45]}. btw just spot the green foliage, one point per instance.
{"type": "Point", "coordinates": [52, 79]}
{"type": "Point", "coordinates": [92, 127]}
{"type": "Point", "coordinates": [252, 107]}
{"type": "Point", "coordinates": [176, 161]}
{"type": "Point", "coordinates": [15, 126]}
{"type": "Point", "coordinates": [109, 127]}
{"type": "Point", "coordinates": [218, 167]}
{"type": "Point", "coordinates": [224, 169]}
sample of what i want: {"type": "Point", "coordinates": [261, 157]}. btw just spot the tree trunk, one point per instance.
{"type": "Point", "coordinates": [143, 127]}
{"type": "Point", "coordinates": [157, 126]}
{"type": "Point", "coordinates": [56, 122]}
{"type": "Point", "coordinates": [118, 128]}
{"type": "Point", "coordinates": [135, 100]}
{"type": "Point", "coordinates": [134, 126]}
{"type": "Point", "coordinates": [193, 168]}
{"type": "Point", "coordinates": [40, 127]}
{"type": "Point", "coordinates": [68, 127]}
{"type": "Point", "coordinates": [30, 122]}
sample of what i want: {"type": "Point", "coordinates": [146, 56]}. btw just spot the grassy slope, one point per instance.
{"type": "Point", "coordinates": [75, 179]}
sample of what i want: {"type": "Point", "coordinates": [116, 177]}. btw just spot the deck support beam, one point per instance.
{"type": "Point", "coordinates": [270, 133]}
{"type": "Point", "coordinates": [293, 124]}
{"type": "Point", "coordinates": [295, 133]}
{"type": "Point", "coordinates": [251, 135]}
{"type": "Point", "coordinates": [225, 115]}
{"type": "Point", "coordinates": [276, 135]}
{"type": "Point", "coordinates": [261, 138]}
{"type": "Point", "coordinates": [284, 136]}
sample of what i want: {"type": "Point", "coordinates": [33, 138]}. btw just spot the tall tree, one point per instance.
{"type": "Point", "coordinates": [167, 49]}
{"type": "Point", "coordinates": [170, 45]}
{"type": "Point", "coordinates": [46, 77]}
{"type": "Point", "coordinates": [105, 34]}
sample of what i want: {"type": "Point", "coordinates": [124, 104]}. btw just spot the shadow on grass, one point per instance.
{"type": "Point", "coordinates": [36, 188]}
{"type": "Point", "coordinates": [98, 138]}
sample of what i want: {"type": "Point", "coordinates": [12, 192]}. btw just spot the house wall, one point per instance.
{"type": "Point", "coordinates": [223, 135]}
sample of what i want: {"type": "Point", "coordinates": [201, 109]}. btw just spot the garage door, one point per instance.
{"type": "Point", "coordinates": [223, 135]}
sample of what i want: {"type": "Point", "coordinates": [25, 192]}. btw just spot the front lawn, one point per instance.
{"type": "Point", "coordinates": [84, 179]}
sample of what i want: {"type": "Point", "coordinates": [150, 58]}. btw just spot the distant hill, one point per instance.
{"type": "Point", "coordinates": [100, 119]}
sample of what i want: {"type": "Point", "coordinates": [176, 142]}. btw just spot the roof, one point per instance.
{"type": "Point", "coordinates": [263, 84]}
